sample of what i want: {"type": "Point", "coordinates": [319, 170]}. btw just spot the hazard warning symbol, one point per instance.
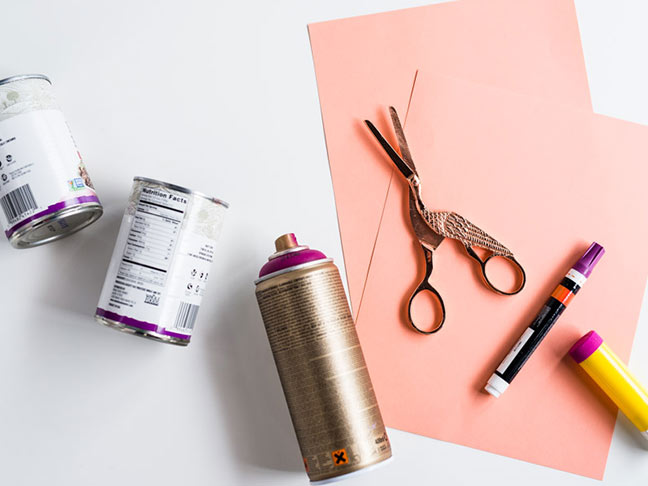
{"type": "Point", "coordinates": [340, 457]}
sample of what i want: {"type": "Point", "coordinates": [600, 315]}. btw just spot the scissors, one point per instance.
{"type": "Point", "coordinates": [432, 227]}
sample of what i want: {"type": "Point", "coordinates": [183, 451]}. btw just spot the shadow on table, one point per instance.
{"type": "Point", "coordinates": [246, 379]}
{"type": "Point", "coordinates": [629, 432]}
{"type": "Point", "coordinates": [78, 263]}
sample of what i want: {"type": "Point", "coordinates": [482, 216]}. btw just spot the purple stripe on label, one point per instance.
{"type": "Point", "coordinates": [51, 209]}
{"type": "Point", "coordinates": [143, 325]}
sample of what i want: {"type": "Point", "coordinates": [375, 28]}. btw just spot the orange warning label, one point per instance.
{"type": "Point", "coordinates": [306, 465]}
{"type": "Point", "coordinates": [340, 457]}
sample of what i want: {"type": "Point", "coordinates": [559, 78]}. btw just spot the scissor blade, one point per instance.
{"type": "Point", "coordinates": [402, 141]}
{"type": "Point", "coordinates": [428, 237]}
{"type": "Point", "coordinates": [393, 155]}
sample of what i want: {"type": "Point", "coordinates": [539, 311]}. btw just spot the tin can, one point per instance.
{"type": "Point", "coordinates": [320, 363]}
{"type": "Point", "coordinates": [160, 266]}
{"type": "Point", "coordinates": [45, 190]}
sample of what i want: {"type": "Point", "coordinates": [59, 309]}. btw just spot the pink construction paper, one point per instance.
{"type": "Point", "coordinates": [528, 46]}
{"type": "Point", "coordinates": [546, 181]}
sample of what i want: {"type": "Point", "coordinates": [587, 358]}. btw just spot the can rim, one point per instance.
{"type": "Point", "coordinates": [290, 269]}
{"type": "Point", "coordinates": [93, 209]}
{"type": "Point", "coordinates": [20, 77]}
{"type": "Point", "coordinates": [182, 189]}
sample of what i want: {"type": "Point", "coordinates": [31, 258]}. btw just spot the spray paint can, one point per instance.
{"type": "Point", "coordinates": [45, 190]}
{"type": "Point", "coordinates": [320, 363]}
{"type": "Point", "coordinates": [160, 267]}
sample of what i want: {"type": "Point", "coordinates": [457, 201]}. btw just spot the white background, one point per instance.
{"type": "Point", "coordinates": [220, 97]}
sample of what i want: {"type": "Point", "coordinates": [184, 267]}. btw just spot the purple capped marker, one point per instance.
{"type": "Point", "coordinates": [544, 321]}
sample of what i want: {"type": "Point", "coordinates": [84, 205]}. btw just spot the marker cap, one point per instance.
{"type": "Point", "coordinates": [585, 346]}
{"type": "Point", "coordinates": [588, 261]}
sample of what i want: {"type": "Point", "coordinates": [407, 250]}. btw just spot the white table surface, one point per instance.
{"type": "Point", "coordinates": [220, 97]}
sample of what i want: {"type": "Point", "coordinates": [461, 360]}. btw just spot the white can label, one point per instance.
{"type": "Point", "coordinates": [41, 170]}
{"type": "Point", "coordinates": [160, 266]}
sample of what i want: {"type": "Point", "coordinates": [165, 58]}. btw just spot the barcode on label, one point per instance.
{"type": "Point", "coordinates": [186, 316]}
{"type": "Point", "coordinates": [18, 202]}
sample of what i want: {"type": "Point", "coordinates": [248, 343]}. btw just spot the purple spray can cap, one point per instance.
{"type": "Point", "coordinates": [588, 261]}
{"type": "Point", "coordinates": [289, 254]}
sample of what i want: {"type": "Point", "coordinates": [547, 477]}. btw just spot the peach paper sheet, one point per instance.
{"type": "Point", "coordinates": [528, 46]}
{"type": "Point", "coordinates": [546, 181]}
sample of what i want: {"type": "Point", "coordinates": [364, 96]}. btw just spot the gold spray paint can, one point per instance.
{"type": "Point", "coordinates": [320, 363]}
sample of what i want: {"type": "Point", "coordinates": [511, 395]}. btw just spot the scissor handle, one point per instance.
{"type": "Point", "coordinates": [425, 286]}
{"type": "Point", "coordinates": [489, 284]}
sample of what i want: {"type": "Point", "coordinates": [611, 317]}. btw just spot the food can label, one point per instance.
{"type": "Point", "coordinates": [41, 170]}
{"type": "Point", "coordinates": [160, 267]}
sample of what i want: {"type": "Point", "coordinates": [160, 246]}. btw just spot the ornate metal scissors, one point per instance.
{"type": "Point", "coordinates": [432, 227]}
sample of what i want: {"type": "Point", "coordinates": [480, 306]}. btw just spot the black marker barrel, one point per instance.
{"type": "Point", "coordinates": [544, 321]}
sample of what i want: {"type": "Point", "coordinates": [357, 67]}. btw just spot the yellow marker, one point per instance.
{"type": "Point", "coordinates": [609, 372]}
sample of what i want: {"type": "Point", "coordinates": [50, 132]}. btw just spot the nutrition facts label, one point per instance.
{"type": "Point", "coordinates": [151, 241]}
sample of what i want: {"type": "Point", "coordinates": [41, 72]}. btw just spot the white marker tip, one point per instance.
{"type": "Point", "coordinates": [492, 391]}
{"type": "Point", "coordinates": [496, 385]}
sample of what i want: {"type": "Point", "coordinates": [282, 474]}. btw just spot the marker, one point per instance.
{"type": "Point", "coordinates": [546, 318]}
{"type": "Point", "coordinates": [609, 372]}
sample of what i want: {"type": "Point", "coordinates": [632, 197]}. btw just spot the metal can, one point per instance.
{"type": "Point", "coordinates": [320, 363]}
{"type": "Point", "coordinates": [161, 262]}
{"type": "Point", "coordinates": [45, 190]}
